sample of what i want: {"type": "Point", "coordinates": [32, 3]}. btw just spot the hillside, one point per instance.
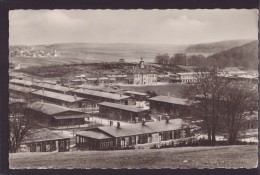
{"type": "Point", "coordinates": [76, 53]}
{"type": "Point", "coordinates": [91, 52]}
{"type": "Point", "coordinates": [183, 157]}
{"type": "Point", "coordinates": [245, 56]}
{"type": "Point", "coordinates": [215, 47]}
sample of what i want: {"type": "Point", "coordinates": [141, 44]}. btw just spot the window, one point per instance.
{"type": "Point", "coordinates": [122, 142]}
{"type": "Point", "coordinates": [133, 140]}
{"type": "Point", "coordinates": [149, 138]}
{"type": "Point", "coordinates": [138, 139]}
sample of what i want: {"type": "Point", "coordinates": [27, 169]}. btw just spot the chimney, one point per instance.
{"type": "Point", "coordinates": [118, 124]}
{"type": "Point", "coordinates": [167, 119]}
{"type": "Point", "coordinates": [143, 121]}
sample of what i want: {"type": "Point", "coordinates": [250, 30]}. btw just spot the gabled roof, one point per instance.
{"type": "Point", "coordinates": [43, 134]}
{"type": "Point", "coordinates": [188, 68]}
{"type": "Point", "coordinates": [59, 117]}
{"type": "Point", "coordinates": [39, 84]}
{"type": "Point", "coordinates": [93, 134]}
{"type": "Point", "coordinates": [21, 82]}
{"type": "Point", "coordinates": [58, 96]}
{"type": "Point", "coordinates": [50, 109]}
{"type": "Point", "coordinates": [232, 69]}
{"type": "Point", "coordinates": [172, 100]}
{"type": "Point", "coordinates": [100, 94]}
{"type": "Point", "coordinates": [135, 93]}
{"type": "Point", "coordinates": [138, 70]}
{"type": "Point", "coordinates": [148, 127]}
{"type": "Point", "coordinates": [21, 88]}
{"type": "Point", "coordinates": [141, 68]}
{"type": "Point", "coordinates": [53, 87]}
{"type": "Point", "coordinates": [123, 107]}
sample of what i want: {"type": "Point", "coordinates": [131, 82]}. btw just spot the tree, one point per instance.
{"type": "Point", "coordinates": [237, 106]}
{"type": "Point", "coordinates": [210, 89]}
{"type": "Point", "coordinates": [19, 125]}
{"type": "Point", "coordinates": [162, 59]}
{"type": "Point", "coordinates": [196, 60]}
{"type": "Point", "coordinates": [20, 119]}
{"type": "Point", "coordinates": [180, 59]}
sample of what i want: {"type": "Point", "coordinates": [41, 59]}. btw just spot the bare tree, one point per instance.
{"type": "Point", "coordinates": [237, 106]}
{"type": "Point", "coordinates": [19, 125]}
{"type": "Point", "coordinates": [210, 88]}
{"type": "Point", "coordinates": [162, 59]}
{"type": "Point", "coordinates": [20, 121]}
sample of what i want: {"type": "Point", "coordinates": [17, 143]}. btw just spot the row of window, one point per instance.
{"type": "Point", "coordinates": [149, 75]}
{"type": "Point", "coordinates": [106, 144]}
{"type": "Point", "coordinates": [189, 81]}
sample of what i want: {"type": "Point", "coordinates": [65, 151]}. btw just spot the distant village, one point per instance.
{"type": "Point", "coordinates": [94, 112]}
{"type": "Point", "coordinates": [32, 52]}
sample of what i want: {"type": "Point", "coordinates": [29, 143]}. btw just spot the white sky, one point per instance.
{"type": "Point", "coordinates": [29, 27]}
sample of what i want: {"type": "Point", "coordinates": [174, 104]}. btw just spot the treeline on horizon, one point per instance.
{"type": "Point", "coordinates": [245, 56]}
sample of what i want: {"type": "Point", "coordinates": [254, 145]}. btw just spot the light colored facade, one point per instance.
{"type": "Point", "coordinates": [188, 77]}
{"type": "Point", "coordinates": [142, 75]}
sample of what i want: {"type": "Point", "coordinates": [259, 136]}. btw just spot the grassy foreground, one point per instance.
{"type": "Point", "coordinates": [189, 157]}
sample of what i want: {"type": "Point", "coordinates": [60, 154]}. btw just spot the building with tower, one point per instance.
{"type": "Point", "coordinates": [142, 74]}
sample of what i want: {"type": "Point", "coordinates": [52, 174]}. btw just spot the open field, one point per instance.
{"type": "Point", "coordinates": [90, 52]}
{"type": "Point", "coordinates": [175, 90]}
{"type": "Point", "coordinates": [184, 157]}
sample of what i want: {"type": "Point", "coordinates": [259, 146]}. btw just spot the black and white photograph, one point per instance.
{"type": "Point", "coordinates": [133, 89]}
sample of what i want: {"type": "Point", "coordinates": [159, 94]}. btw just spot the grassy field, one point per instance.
{"type": "Point", "coordinates": [175, 90]}
{"type": "Point", "coordinates": [189, 157]}
{"type": "Point", "coordinates": [90, 52]}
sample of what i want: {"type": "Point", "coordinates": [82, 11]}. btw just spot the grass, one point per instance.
{"type": "Point", "coordinates": [185, 157]}
{"type": "Point", "coordinates": [87, 52]}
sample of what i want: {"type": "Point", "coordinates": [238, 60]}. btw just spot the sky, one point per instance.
{"type": "Point", "coordinates": [32, 27]}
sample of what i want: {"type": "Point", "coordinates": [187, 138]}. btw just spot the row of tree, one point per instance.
{"type": "Point", "coordinates": [180, 59]}
{"type": "Point", "coordinates": [222, 106]}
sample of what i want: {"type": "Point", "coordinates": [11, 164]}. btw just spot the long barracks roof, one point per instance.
{"type": "Point", "coordinates": [148, 127]}
{"type": "Point", "coordinates": [58, 96]}
{"type": "Point", "coordinates": [172, 100]}
{"type": "Point", "coordinates": [21, 88]}
{"type": "Point", "coordinates": [123, 107]}
{"type": "Point", "coordinates": [59, 117]}
{"type": "Point", "coordinates": [135, 93]}
{"type": "Point", "coordinates": [100, 94]}
{"type": "Point", "coordinates": [42, 135]}
{"type": "Point", "coordinates": [21, 82]}
{"type": "Point", "coordinates": [51, 109]}
{"type": "Point", "coordinates": [53, 87]}
{"type": "Point", "coordinates": [40, 85]}
{"type": "Point", "coordinates": [93, 134]}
